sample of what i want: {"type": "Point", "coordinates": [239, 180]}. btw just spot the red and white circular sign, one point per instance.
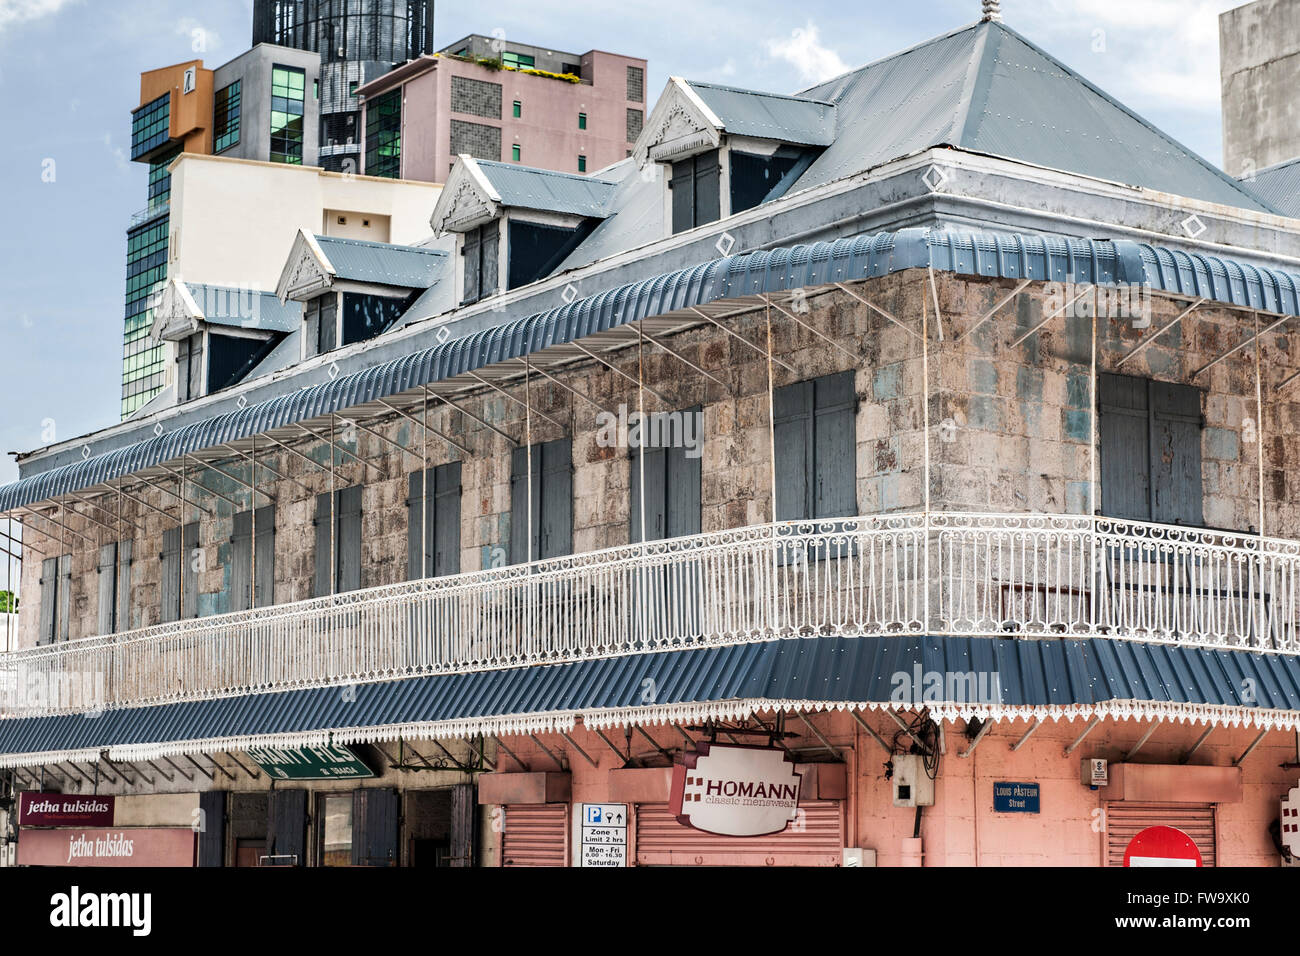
{"type": "Point", "coordinates": [1162, 846]}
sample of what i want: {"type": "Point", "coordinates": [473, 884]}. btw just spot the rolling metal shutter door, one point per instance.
{"type": "Point", "coordinates": [536, 835]}
{"type": "Point", "coordinates": [818, 840]}
{"type": "Point", "coordinates": [1125, 820]}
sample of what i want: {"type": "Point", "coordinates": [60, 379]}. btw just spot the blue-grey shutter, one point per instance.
{"type": "Point", "coordinates": [183, 370]}
{"type": "Point", "coordinates": [682, 187]}
{"type": "Point", "coordinates": [329, 322]}
{"type": "Point", "coordinates": [472, 266]}
{"type": "Point", "coordinates": [792, 436]}
{"type": "Point", "coordinates": [1175, 454]}
{"type": "Point", "coordinates": [311, 322]}
{"type": "Point", "coordinates": [170, 585]}
{"type": "Point", "coordinates": [212, 836]}
{"type": "Point", "coordinates": [286, 825]}
{"type": "Point", "coordinates": [557, 499]}
{"type": "Point", "coordinates": [708, 188]}
{"type": "Point", "coordinates": [520, 550]}
{"type": "Point", "coordinates": [682, 496]}
{"type": "Point", "coordinates": [65, 597]}
{"type": "Point", "coordinates": [241, 562]}
{"type": "Point", "coordinates": [834, 446]}
{"type": "Point", "coordinates": [656, 494]}
{"type": "Point", "coordinates": [464, 815]}
{"type": "Point", "coordinates": [489, 244]}
{"type": "Point", "coordinates": [1124, 447]}
{"type": "Point", "coordinates": [323, 581]}
{"type": "Point", "coordinates": [445, 533]}
{"type": "Point", "coordinates": [349, 538]}
{"type": "Point", "coordinates": [124, 552]}
{"type": "Point", "coordinates": [106, 576]}
{"type": "Point", "coordinates": [416, 526]}
{"type": "Point", "coordinates": [264, 544]}
{"type": "Point", "coordinates": [189, 577]}
{"type": "Point", "coordinates": [375, 817]}
{"type": "Point", "coordinates": [49, 600]}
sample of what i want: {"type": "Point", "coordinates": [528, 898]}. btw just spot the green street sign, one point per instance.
{"type": "Point", "coordinates": [310, 763]}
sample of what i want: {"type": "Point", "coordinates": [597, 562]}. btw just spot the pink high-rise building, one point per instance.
{"type": "Point", "coordinates": [502, 101]}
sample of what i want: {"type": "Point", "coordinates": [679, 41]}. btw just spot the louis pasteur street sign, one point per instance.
{"type": "Point", "coordinates": [735, 790]}
{"type": "Point", "coordinates": [310, 763]}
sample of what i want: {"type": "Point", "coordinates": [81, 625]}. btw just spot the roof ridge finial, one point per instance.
{"type": "Point", "coordinates": [992, 11]}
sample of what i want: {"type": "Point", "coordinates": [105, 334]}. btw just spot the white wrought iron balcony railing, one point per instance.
{"type": "Point", "coordinates": [1026, 576]}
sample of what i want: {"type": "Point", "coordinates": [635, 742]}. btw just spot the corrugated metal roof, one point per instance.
{"type": "Point", "coordinates": [791, 119]}
{"type": "Point", "coordinates": [407, 267]}
{"type": "Point", "coordinates": [1279, 185]}
{"type": "Point", "coordinates": [987, 89]}
{"type": "Point", "coordinates": [828, 671]}
{"type": "Point", "coordinates": [528, 188]}
{"type": "Point", "coordinates": [245, 309]}
{"type": "Point", "coordinates": [729, 278]}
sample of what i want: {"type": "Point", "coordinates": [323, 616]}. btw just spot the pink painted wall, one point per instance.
{"type": "Point", "coordinates": [547, 131]}
{"type": "Point", "coordinates": [962, 829]}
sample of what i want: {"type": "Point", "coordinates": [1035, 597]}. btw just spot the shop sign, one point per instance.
{"type": "Point", "coordinates": [1162, 846]}
{"type": "Point", "coordinates": [125, 846]}
{"type": "Point", "coordinates": [310, 763]}
{"type": "Point", "coordinates": [602, 840]}
{"type": "Point", "coordinates": [64, 810]}
{"type": "Point", "coordinates": [1009, 797]}
{"type": "Point", "coordinates": [735, 790]}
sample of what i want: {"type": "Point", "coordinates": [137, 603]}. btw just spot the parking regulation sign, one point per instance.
{"type": "Point", "coordinates": [1162, 846]}
{"type": "Point", "coordinates": [602, 838]}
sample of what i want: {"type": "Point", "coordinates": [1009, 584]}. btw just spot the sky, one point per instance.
{"type": "Point", "coordinates": [69, 77]}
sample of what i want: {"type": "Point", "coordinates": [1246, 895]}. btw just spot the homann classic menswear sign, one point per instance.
{"type": "Point", "coordinates": [735, 790]}
{"type": "Point", "coordinates": [64, 810]}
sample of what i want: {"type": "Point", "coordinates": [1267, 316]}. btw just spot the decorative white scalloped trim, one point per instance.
{"type": "Point", "coordinates": [691, 712]}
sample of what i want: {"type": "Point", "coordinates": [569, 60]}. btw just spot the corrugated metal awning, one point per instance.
{"type": "Point", "coordinates": [1003, 677]}
{"type": "Point", "coordinates": [732, 283]}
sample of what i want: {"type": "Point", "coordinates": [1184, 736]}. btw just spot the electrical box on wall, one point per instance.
{"type": "Point", "coordinates": [1094, 772]}
{"type": "Point", "coordinates": [912, 785]}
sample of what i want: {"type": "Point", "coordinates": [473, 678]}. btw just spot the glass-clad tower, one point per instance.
{"type": "Point", "coordinates": [358, 40]}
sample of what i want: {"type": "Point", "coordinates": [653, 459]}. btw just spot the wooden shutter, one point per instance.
{"type": "Point", "coordinates": [417, 524]}
{"type": "Point", "coordinates": [835, 456]}
{"type": "Point", "coordinates": [1175, 454]}
{"type": "Point", "coordinates": [241, 562]}
{"type": "Point", "coordinates": [708, 188]}
{"type": "Point", "coordinates": [312, 322]}
{"type": "Point", "coordinates": [472, 266]}
{"type": "Point", "coordinates": [375, 821]}
{"type": "Point", "coordinates": [557, 499]}
{"type": "Point", "coordinates": [212, 837]}
{"type": "Point", "coordinates": [682, 498]}
{"type": "Point", "coordinates": [124, 553]}
{"type": "Point", "coordinates": [816, 838]}
{"type": "Point", "coordinates": [521, 550]}
{"type": "Point", "coordinates": [323, 582]}
{"type": "Point", "coordinates": [464, 816]}
{"type": "Point", "coordinates": [264, 544]}
{"type": "Point", "coordinates": [189, 577]}
{"type": "Point", "coordinates": [183, 370]}
{"type": "Point", "coordinates": [49, 600]}
{"type": "Point", "coordinates": [792, 407]}
{"type": "Point", "coordinates": [349, 538]}
{"type": "Point", "coordinates": [445, 535]}
{"type": "Point", "coordinates": [106, 575]}
{"type": "Point", "coordinates": [1125, 820]}
{"type": "Point", "coordinates": [489, 245]}
{"type": "Point", "coordinates": [329, 322]}
{"type": "Point", "coordinates": [682, 186]}
{"type": "Point", "coordinates": [65, 597]}
{"type": "Point", "coordinates": [656, 494]}
{"type": "Point", "coordinates": [536, 835]}
{"type": "Point", "coordinates": [170, 586]}
{"type": "Point", "coordinates": [286, 826]}
{"type": "Point", "coordinates": [1124, 449]}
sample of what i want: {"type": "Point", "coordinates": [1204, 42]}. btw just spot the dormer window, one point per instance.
{"type": "Point", "coordinates": [480, 251]}
{"type": "Point", "coordinates": [189, 368]}
{"type": "Point", "coordinates": [322, 324]}
{"type": "Point", "coordinates": [696, 189]}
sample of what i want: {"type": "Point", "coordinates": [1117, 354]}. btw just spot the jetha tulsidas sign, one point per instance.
{"type": "Point", "coordinates": [310, 763]}
{"type": "Point", "coordinates": [64, 810]}
{"type": "Point", "coordinates": [735, 790]}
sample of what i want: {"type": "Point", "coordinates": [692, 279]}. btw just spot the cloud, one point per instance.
{"type": "Point", "coordinates": [13, 12]}
{"type": "Point", "coordinates": [804, 51]}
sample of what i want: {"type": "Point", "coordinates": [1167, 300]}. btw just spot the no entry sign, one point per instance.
{"type": "Point", "coordinates": [1162, 846]}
